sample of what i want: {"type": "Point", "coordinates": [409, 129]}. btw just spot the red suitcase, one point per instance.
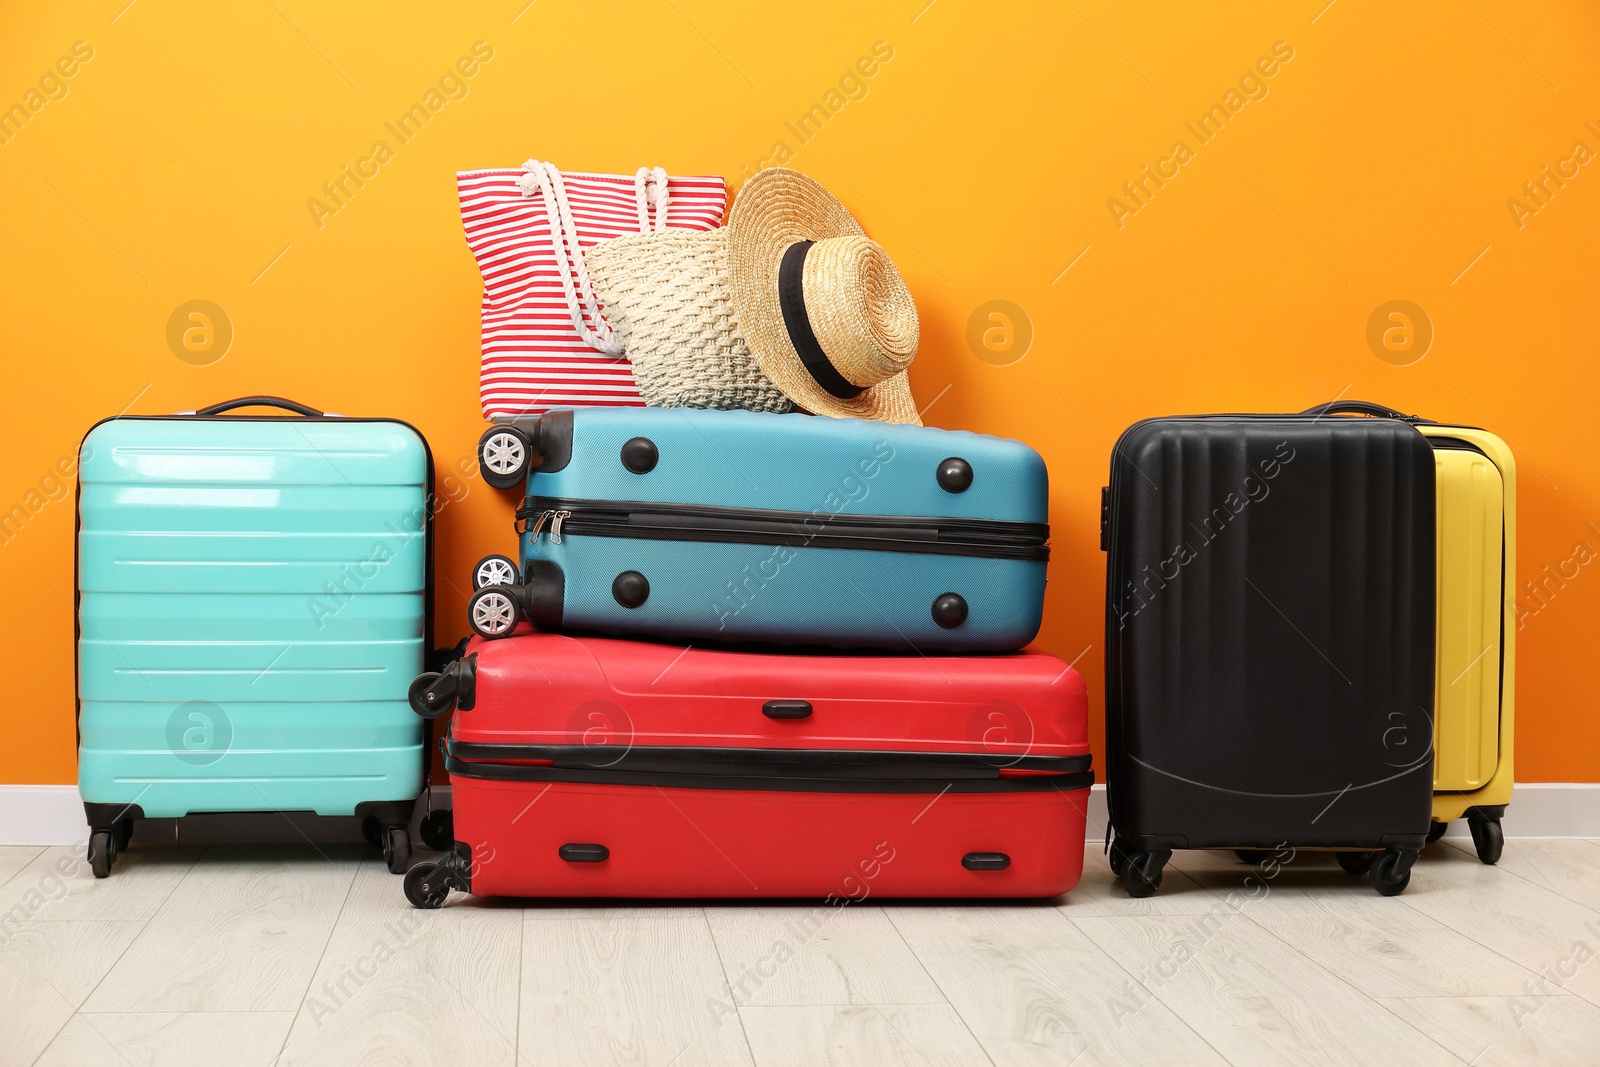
{"type": "Point", "coordinates": [597, 767]}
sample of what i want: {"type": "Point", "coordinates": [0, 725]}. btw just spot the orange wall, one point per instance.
{"type": "Point", "coordinates": [1377, 166]}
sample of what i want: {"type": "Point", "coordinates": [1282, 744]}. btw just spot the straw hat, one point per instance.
{"type": "Point", "coordinates": [818, 306]}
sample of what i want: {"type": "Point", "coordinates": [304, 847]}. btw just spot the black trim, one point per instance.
{"type": "Point", "coordinates": [801, 762]}
{"type": "Point", "coordinates": [101, 816]}
{"type": "Point", "coordinates": [1362, 407]}
{"type": "Point", "coordinates": [792, 302]}
{"type": "Point", "coordinates": [521, 772]}
{"type": "Point", "coordinates": [639, 455]}
{"type": "Point", "coordinates": [260, 401]}
{"type": "Point", "coordinates": [544, 594]}
{"type": "Point", "coordinates": [925, 535]}
{"type": "Point", "coordinates": [578, 853]}
{"type": "Point", "coordinates": [787, 709]}
{"type": "Point", "coordinates": [551, 435]}
{"type": "Point", "coordinates": [954, 475]}
{"type": "Point", "coordinates": [389, 812]}
{"type": "Point", "coordinates": [466, 674]}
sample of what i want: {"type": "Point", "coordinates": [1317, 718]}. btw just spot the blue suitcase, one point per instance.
{"type": "Point", "coordinates": [252, 605]}
{"type": "Point", "coordinates": [736, 526]}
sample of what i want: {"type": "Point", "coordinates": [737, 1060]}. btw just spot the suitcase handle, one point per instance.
{"type": "Point", "coordinates": [1361, 407]}
{"type": "Point", "coordinates": [583, 853]}
{"type": "Point", "coordinates": [786, 709]}
{"type": "Point", "coordinates": [259, 402]}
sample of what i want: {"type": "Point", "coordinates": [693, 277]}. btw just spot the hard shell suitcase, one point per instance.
{"type": "Point", "coordinates": [597, 767]}
{"type": "Point", "coordinates": [738, 526]}
{"type": "Point", "coordinates": [252, 605]}
{"type": "Point", "coordinates": [1270, 640]}
{"type": "Point", "coordinates": [1476, 478]}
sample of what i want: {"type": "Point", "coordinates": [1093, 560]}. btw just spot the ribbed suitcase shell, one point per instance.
{"type": "Point", "coordinates": [1270, 632]}
{"type": "Point", "coordinates": [835, 469]}
{"type": "Point", "coordinates": [626, 703]}
{"type": "Point", "coordinates": [252, 606]}
{"type": "Point", "coordinates": [1475, 682]}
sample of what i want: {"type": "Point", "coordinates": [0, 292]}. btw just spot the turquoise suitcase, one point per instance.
{"type": "Point", "coordinates": [753, 527]}
{"type": "Point", "coordinates": [252, 606]}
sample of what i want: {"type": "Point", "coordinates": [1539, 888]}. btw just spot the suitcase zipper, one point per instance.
{"type": "Point", "coordinates": [553, 517]}
{"type": "Point", "coordinates": [985, 538]}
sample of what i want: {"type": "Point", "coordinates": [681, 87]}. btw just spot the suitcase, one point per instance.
{"type": "Point", "coordinates": [1476, 478]}
{"type": "Point", "coordinates": [597, 767]}
{"type": "Point", "coordinates": [1269, 640]}
{"type": "Point", "coordinates": [737, 526]}
{"type": "Point", "coordinates": [252, 606]}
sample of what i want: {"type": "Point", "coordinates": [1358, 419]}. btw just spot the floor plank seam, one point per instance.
{"type": "Point", "coordinates": [966, 1024]}
{"type": "Point", "coordinates": [26, 864]}
{"type": "Point", "coordinates": [1118, 964]}
{"type": "Point", "coordinates": [1550, 885]}
{"type": "Point", "coordinates": [1414, 905]}
{"type": "Point", "coordinates": [727, 981]}
{"type": "Point", "coordinates": [311, 979]}
{"type": "Point", "coordinates": [1336, 976]}
{"type": "Point", "coordinates": [516, 1024]}
{"type": "Point", "coordinates": [77, 1009]}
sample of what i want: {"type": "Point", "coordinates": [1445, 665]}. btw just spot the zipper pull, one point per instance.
{"type": "Point", "coordinates": [555, 527]}
{"type": "Point", "coordinates": [538, 525]}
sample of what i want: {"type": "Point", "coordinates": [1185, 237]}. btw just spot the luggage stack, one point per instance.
{"type": "Point", "coordinates": [651, 671]}
{"type": "Point", "coordinates": [741, 651]}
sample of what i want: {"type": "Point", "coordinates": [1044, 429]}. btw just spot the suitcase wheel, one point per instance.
{"type": "Point", "coordinates": [1436, 831]}
{"type": "Point", "coordinates": [102, 852]}
{"type": "Point", "coordinates": [438, 830]}
{"type": "Point", "coordinates": [503, 453]}
{"type": "Point", "coordinates": [1390, 872]}
{"type": "Point", "coordinates": [1142, 875]}
{"type": "Point", "coordinates": [1487, 838]}
{"type": "Point", "coordinates": [492, 612]}
{"type": "Point", "coordinates": [427, 699]}
{"type": "Point", "coordinates": [425, 886]}
{"type": "Point", "coordinates": [494, 570]}
{"type": "Point", "coordinates": [396, 849]}
{"type": "Point", "coordinates": [1356, 863]}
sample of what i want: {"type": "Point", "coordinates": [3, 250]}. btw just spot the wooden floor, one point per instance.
{"type": "Point", "coordinates": [296, 955]}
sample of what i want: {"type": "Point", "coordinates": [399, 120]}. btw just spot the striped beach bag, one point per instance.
{"type": "Point", "coordinates": [546, 342]}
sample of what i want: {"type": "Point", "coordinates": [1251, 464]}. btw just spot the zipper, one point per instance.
{"type": "Point", "coordinates": [648, 520]}
{"type": "Point", "coordinates": [553, 517]}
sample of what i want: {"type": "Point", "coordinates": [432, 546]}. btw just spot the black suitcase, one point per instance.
{"type": "Point", "coordinates": [1269, 640]}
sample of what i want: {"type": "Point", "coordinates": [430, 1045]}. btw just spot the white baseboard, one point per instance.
{"type": "Point", "coordinates": [53, 815]}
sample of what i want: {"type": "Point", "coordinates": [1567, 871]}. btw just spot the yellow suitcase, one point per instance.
{"type": "Point", "coordinates": [1476, 492]}
{"type": "Point", "coordinates": [1476, 486]}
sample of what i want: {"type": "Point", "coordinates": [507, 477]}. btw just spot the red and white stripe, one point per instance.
{"type": "Point", "coordinates": [533, 357]}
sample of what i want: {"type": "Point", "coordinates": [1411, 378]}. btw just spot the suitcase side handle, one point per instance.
{"type": "Point", "coordinates": [259, 402]}
{"type": "Point", "coordinates": [1361, 407]}
{"type": "Point", "coordinates": [787, 709]}
{"type": "Point", "coordinates": [575, 852]}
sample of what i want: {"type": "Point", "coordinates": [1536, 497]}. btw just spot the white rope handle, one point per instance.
{"type": "Point", "coordinates": [545, 178]}
{"type": "Point", "coordinates": [651, 185]}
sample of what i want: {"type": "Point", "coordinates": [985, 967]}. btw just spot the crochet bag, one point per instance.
{"type": "Point", "coordinates": [546, 342]}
